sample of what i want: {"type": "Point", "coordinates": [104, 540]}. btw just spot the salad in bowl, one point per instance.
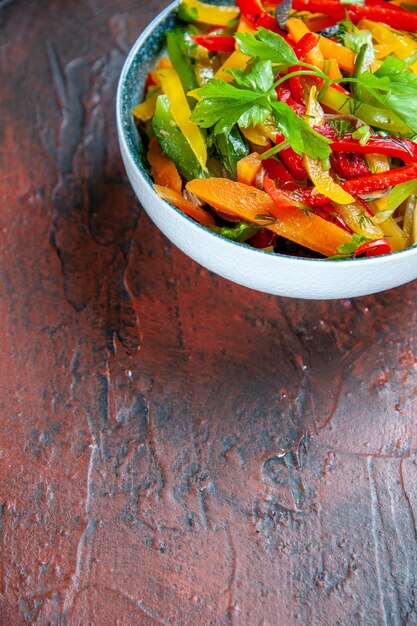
{"type": "Point", "coordinates": [289, 122]}
{"type": "Point", "coordinates": [288, 128]}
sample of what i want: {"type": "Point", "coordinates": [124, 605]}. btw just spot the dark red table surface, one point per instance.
{"type": "Point", "coordinates": [176, 449]}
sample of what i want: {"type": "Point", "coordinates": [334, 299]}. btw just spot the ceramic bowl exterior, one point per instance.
{"type": "Point", "coordinates": [271, 273]}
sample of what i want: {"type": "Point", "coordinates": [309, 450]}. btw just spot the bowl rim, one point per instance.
{"type": "Point", "coordinates": [123, 135]}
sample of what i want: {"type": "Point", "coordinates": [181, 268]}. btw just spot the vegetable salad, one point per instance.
{"type": "Point", "coordinates": [290, 126]}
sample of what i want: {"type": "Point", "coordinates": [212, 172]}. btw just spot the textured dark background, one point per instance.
{"type": "Point", "coordinates": [175, 449]}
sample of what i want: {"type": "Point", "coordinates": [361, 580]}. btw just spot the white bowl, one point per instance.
{"type": "Point", "coordinates": [271, 273]}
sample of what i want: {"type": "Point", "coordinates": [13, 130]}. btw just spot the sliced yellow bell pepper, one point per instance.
{"type": "Point", "coordinates": [324, 183]}
{"type": "Point", "coordinates": [213, 15]}
{"type": "Point", "coordinates": [236, 60]}
{"type": "Point", "coordinates": [320, 177]}
{"type": "Point", "coordinates": [410, 220]}
{"type": "Point", "coordinates": [397, 238]}
{"type": "Point", "coordinates": [255, 135]}
{"type": "Point", "coordinates": [146, 110]}
{"type": "Point", "coordinates": [400, 43]}
{"type": "Point", "coordinates": [359, 221]}
{"type": "Point", "coordinates": [180, 111]}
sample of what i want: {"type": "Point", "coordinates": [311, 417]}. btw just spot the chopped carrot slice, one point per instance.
{"type": "Point", "coordinates": [200, 215]}
{"type": "Point", "coordinates": [164, 171]}
{"type": "Point", "coordinates": [256, 206]}
{"type": "Point", "coordinates": [248, 168]}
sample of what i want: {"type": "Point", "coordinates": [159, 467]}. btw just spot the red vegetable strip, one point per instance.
{"type": "Point", "coordinates": [149, 81]}
{"type": "Point", "coordinates": [393, 16]}
{"type": "Point", "coordinates": [312, 197]}
{"type": "Point", "coordinates": [382, 180]}
{"type": "Point", "coordinates": [327, 213]}
{"type": "Point", "coordinates": [306, 43]}
{"type": "Point", "coordinates": [264, 238]}
{"type": "Point", "coordinates": [215, 43]}
{"type": "Point", "coordinates": [332, 8]}
{"type": "Point", "coordinates": [397, 148]}
{"type": "Point", "coordinates": [297, 90]}
{"type": "Point", "coordinates": [349, 165]}
{"type": "Point", "coordinates": [284, 94]}
{"type": "Point", "coordinates": [277, 171]}
{"type": "Point", "coordinates": [365, 206]}
{"type": "Point", "coordinates": [309, 197]}
{"type": "Point", "coordinates": [294, 163]}
{"type": "Point", "coordinates": [373, 248]}
{"type": "Point", "coordinates": [252, 10]}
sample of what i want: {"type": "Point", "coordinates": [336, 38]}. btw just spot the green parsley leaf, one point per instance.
{"type": "Point", "coordinates": [347, 249]}
{"type": "Point", "coordinates": [222, 105]}
{"type": "Point", "coordinates": [302, 138]}
{"type": "Point", "coordinates": [267, 46]}
{"type": "Point", "coordinates": [249, 101]}
{"type": "Point", "coordinates": [258, 77]}
{"type": "Point", "coordinates": [241, 232]}
{"type": "Point", "coordinates": [395, 86]}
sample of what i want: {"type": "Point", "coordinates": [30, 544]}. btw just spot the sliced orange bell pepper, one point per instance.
{"type": "Point", "coordinates": [333, 50]}
{"type": "Point", "coordinates": [248, 168]}
{"type": "Point", "coordinates": [198, 214]}
{"type": "Point", "coordinates": [180, 111]}
{"type": "Point", "coordinates": [253, 205]}
{"type": "Point", "coordinates": [213, 15]}
{"type": "Point", "coordinates": [331, 67]}
{"type": "Point", "coordinates": [164, 171]}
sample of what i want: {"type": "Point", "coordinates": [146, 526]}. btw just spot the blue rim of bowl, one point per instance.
{"type": "Point", "coordinates": [129, 135]}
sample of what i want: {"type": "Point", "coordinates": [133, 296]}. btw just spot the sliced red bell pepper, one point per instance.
{"type": "Point", "coordinates": [395, 147]}
{"type": "Point", "coordinates": [284, 94]}
{"type": "Point", "coordinates": [264, 238]}
{"type": "Point", "coordinates": [312, 197]}
{"type": "Point", "coordinates": [309, 197]}
{"type": "Point", "coordinates": [215, 43]}
{"type": "Point", "coordinates": [149, 82]}
{"type": "Point", "coordinates": [365, 206]}
{"type": "Point", "coordinates": [252, 10]}
{"type": "Point", "coordinates": [294, 163]}
{"type": "Point", "coordinates": [277, 171]}
{"type": "Point", "coordinates": [373, 248]}
{"type": "Point", "coordinates": [304, 45]}
{"type": "Point", "coordinates": [381, 180]}
{"type": "Point", "coordinates": [328, 213]}
{"type": "Point", "coordinates": [349, 165]}
{"type": "Point", "coordinates": [297, 90]}
{"type": "Point", "coordinates": [385, 12]}
{"type": "Point", "coordinates": [332, 8]}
